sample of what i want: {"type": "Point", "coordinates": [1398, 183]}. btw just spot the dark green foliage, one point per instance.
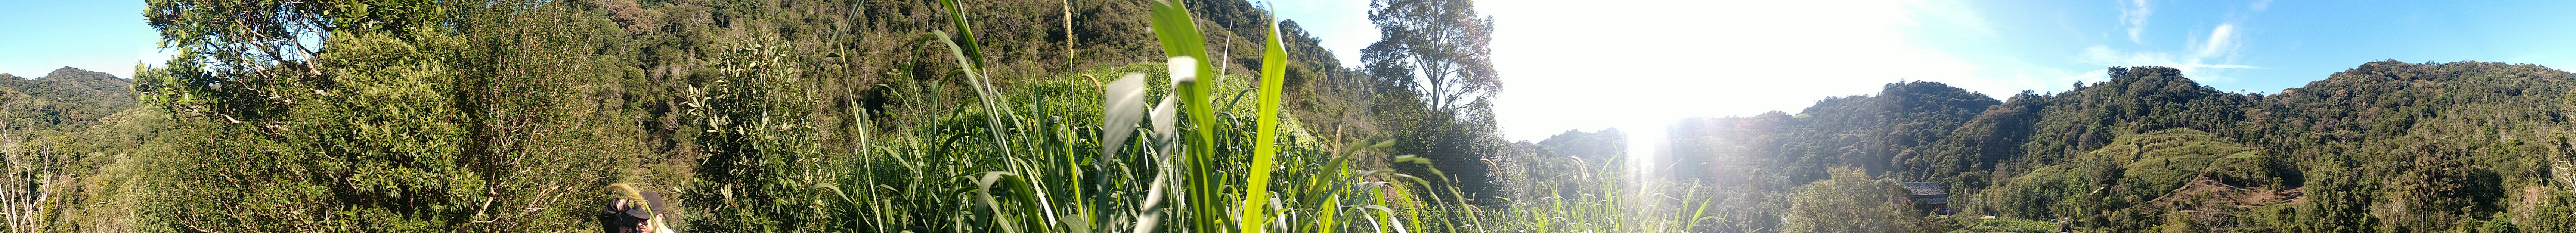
{"type": "Point", "coordinates": [1544, 171]}
{"type": "Point", "coordinates": [2134, 100]}
{"type": "Point", "coordinates": [1849, 201]}
{"type": "Point", "coordinates": [1435, 78]}
{"type": "Point", "coordinates": [759, 151]}
{"type": "Point", "coordinates": [1876, 132]}
{"type": "Point", "coordinates": [2387, 146]}
{"type": "Point", "coordinates": [2338, 201]}
{"type": "Point", "coordinates": [1981, 144]}
{"type": "Point", "coordinates": [2443, 143]}
{"type": "Point", "coordinates": [1968, 224]}
{"type": "Point", "coordinates": [64, 100]}
{"type": "Point", "coordinates": [71, 136]}
{"type": "Point", "coordinates": [2555, 212]}
{"type": "Point", "coordinates": [2498, 223]}
{"type": "Point", "coordinates": [417, 126]}
{"type": "Point", "coordinates": [2139, 183]}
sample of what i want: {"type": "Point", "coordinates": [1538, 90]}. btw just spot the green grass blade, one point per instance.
{"type": "Point", "coordinates": [1327, 213]}
{"type": "Point", "coordinates": [965, 32]}
{"type": "Point", "coordinates": [1181, 41]}
{"type": "Point", "coordinates": [1274, 64]}
{"type": "Point", "coordinates": [983, 192]}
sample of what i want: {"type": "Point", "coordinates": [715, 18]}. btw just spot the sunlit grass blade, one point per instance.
{"type": "Point", "coordinates": [1124, 106]}
{"type": "Point", "coordinates": [1274, 69]}
{"type": "Point", "coordinates": [1181, 41]}
{"type": "Point", "coordinates": [1166, 119]}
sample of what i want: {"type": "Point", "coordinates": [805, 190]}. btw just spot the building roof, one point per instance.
{"type": "Point", "coordinates": [1925, 188]}
{"type": "Point", "coordinates": [1931, 199]}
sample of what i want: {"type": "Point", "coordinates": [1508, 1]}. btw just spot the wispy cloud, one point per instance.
{"type": "Point", "coordinates": [2260, 5]}
{"type": "Point", "coordinates": [2221, 42]}
{"type": "Point", "coordinates": [2208, 55]}
{"type": "Point", "coordinates": [2134, 15]}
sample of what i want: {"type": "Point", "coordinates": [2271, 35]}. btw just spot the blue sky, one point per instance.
{"type": "Point", "coordinates": [1638, 65]}
{"type": "Point", "coordinates": [38, 36]}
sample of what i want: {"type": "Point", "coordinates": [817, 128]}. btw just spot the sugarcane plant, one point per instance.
{"type": "Point", "coordinates": [1176, 166]}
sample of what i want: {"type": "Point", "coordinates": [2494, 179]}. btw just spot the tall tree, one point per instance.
{"type": "Point", "coordinates": [1434, 75]}
{"type": "Point", "coordinates": [1438, 48]}
{"type": "Point", "coordinates": [371, 116]}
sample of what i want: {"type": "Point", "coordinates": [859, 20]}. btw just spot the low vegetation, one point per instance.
{"type": "Point", "coordinates": [1177, 116]}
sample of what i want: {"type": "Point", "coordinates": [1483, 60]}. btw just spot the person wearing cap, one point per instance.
{"type": "Point", "coordinates": [643, 219]}
{"type": "Point", "coordinates": [623, 217]}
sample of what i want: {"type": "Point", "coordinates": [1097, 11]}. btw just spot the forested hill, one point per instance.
{"type": "Point", "coordinates": [68, 98]}
{"type": "Point", "coordinates": [529, 115]}
{"type": "Point", "coordinates": [66, 143]}
{"type": "Point", "coordinates": [2386, 146]}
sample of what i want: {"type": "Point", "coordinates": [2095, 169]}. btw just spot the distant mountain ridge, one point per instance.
{"type": "Point", "coordinates": [65, 99]}
{"type": "Point", "coordinates": [2386, 145]}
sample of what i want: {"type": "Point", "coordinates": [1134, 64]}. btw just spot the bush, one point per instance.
{"type": "Point", "coordinates": [1848, 201]}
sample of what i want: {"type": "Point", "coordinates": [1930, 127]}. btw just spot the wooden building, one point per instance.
{"type": "Point", "coordinates": [1928, 197]}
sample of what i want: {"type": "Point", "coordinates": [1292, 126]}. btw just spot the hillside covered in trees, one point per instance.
{"type": "Point", "coordinates": [2384, 147]}
{"type": "Point", "coordinates": [1176, 116]}
{"type": "Point", "coordinates": [841, 116]}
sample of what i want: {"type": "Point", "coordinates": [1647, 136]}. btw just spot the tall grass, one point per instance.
{"type": "Point", "coordinates": [1068, 155]}
{"type": "Point", "coordinates": [1601, 196]}
{"type": "Point", "coordinates": [1023, 161]}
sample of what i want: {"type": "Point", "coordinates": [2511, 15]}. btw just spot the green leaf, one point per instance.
{"type": "Point", "coordinates": [1274, 64]}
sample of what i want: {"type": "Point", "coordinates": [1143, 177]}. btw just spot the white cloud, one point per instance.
{"type": "Point", "coordinates": [2260, 5]}
{"type": "Point", "coordinates": [2134, 15]}
{"type": "Point", "coordinates": [2222, 40]}
{"type": "Point", "coordinates": [2090, 76]}
{"type": "Point", "coordinates": [2038, 79]}
{"type": "Point", "coordinates": [2207, 60]}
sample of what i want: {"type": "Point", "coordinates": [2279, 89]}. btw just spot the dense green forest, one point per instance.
{"type": "Point", "coordinates": [1176, 116]}
{"type": "Point", "coordinates": [2384, 147]}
